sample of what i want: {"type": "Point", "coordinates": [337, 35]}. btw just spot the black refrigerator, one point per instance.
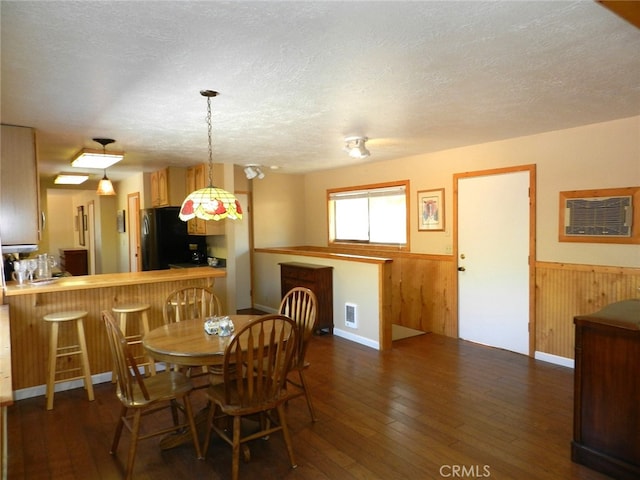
{"type": "Point", "coordinates": [164, 239]}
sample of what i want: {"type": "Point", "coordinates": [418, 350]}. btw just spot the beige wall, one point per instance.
{"type": "Point", "coordinates": [353, 282]}
{"type": "Point", "coordinates": [61, 210]}
{"type": "Point", "coordinates": [279, 211]}
{"type": "Point", "coordinates": [290, 210]}
{"type": "Point", "coordinates": [605, 155]}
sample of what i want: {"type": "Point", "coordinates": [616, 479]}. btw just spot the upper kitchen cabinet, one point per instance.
{"type": "Point", "coordinates": [197, 178]}
{"type": "Point", "coordinates": [19, 192]}
{"type": "Point", "coordinates": [168, 187]}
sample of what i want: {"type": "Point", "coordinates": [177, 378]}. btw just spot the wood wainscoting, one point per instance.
{"type": "Point", "coordinates": [423, 288]}
{"type": "Point", "coordinates": [564, 291]}
{"type": "Point", "coordinates": [424, 294]}
{"type": "Point", "coordinates": [30, 334]}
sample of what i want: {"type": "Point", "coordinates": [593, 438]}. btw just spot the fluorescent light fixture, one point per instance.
{"type": "Point", "coordinates": [89, 158]}
{"type": "Point", "coordinates": [70, 178]}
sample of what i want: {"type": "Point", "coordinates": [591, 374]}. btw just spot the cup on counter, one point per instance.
{"type": "Point", "coordinates": [20, 276]}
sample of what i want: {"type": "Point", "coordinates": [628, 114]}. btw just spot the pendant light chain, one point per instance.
{"type": "Point", "coordinates": [210, 141]}
{"type": "Point", "coordinates": [210, 203]}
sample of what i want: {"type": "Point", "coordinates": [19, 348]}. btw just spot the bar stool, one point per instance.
{"type": "Point", "coordinates": [55, 352]}
{"type": "Point", "coordinates": [124, 313]}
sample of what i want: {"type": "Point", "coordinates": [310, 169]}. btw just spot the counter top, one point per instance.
{"type": "Point", "coordinates": [104, 280]}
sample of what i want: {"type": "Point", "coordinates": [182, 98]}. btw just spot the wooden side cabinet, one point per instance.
{"type": "Point", "coordinates": [606, 421]}
{"type": "Point", "coordinates": [74, 261]}
{"type": "Point", "coordinates": [318, 279]}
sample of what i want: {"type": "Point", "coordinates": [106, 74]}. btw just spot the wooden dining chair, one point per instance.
{"type": "Point", "coordinates": [146, 395]}
{"type": "Point", "coordinates": [300, 304]}
{"type": "Point", "coordinates": [255, 367]}
{"type": "Point", "coordinates": [187, 303]}
{"type": "Point", "coordinates": [191, 302]}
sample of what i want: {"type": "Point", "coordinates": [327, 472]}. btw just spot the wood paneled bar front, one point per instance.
{"type": "Point", "coordinates": [93, 293]}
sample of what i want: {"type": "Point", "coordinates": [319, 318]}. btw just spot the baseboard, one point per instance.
{"type": "Point", "coordinates": [356, 338]}
{"type": "Point", "coordinates": [555, 359]}
{"type": "Point", "coordinates": [264, 308]}
{"type": "Point", "coordinates": [40, 390]}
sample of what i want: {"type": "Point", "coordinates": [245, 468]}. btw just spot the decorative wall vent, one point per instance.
{"type": "Point", "coordinates": [607, 216]}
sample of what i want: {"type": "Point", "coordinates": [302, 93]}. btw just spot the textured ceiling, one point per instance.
{"type": "Point", "coordinates": [295, 78]}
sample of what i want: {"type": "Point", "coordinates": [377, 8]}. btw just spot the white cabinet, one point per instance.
{"type": "Point", "coordinates": [19, 191]}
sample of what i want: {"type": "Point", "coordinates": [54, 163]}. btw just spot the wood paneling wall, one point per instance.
{"type": "Point", "coordinates": [30, 334]}
{"type": "Point", "coordinates": [423, 289]}
{"type": "Point", "coordinates": [424, 294]}
{"type": "Point", "coordinates": [566, 290]}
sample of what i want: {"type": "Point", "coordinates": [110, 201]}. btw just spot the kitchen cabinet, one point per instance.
{"type": "Point", "coordinates": [168, 187]}
{"type": "Point", "coordinates": [606, 417]}
{"type": "Point", "coordinates": [198, 177]}
{"type": "Point", "coordinates": [74, 261]}
{"type": "Point", "coordinates": [19, 190]}
{"type": "Point", "coordinates": [318, 279]}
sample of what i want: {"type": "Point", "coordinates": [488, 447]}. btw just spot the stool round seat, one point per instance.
{"type": "Point", "coordinates": [131, 307]}
{"type": "Point", "coordinates": [65, 316]}
{"type": "Point", "coordinates": [56, 319]}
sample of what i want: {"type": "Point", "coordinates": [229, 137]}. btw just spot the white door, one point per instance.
{"type": "Point", "coordinates": [243, 255]}
{"type": "Point", "coordinates": [493, 260]}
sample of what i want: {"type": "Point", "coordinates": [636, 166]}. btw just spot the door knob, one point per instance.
{"type": "Point", "coordinates": [462, 269]}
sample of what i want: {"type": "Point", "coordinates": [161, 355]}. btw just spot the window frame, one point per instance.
{"type": "Point", "coordinates": [367, 245]}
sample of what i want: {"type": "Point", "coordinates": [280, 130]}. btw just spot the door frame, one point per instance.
{"type": "Point", "coordinates": [532, 239]}
{"type": "Point", "coordinates": [134, 230]}
{"type": "Point", "coordinates": [248, 209]}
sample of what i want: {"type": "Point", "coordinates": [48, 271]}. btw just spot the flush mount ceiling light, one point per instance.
{"type": "Point", "coordinates": [210, 203]}
{"type": "Point", "coordinates": [70, 178]}
{"type": "Point", "coordinates": [91, 158]}
{"type": "Point", "coordinates": [252, 171]}
{"type": "Point", "coordinates": [355, 147]}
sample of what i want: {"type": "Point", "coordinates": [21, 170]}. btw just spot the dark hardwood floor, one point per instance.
{"type": "Point", "coordinates": [433, 407]}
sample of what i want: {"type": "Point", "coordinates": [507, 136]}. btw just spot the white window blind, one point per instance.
{"type": "Point", "coordinates": [372, 215]}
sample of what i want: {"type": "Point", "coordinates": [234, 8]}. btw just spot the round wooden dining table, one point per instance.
{"type": "Point", "coordinates": [187, 344]}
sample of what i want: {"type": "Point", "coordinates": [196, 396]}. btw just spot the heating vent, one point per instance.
{"type": "Point", "coordinates": [350, 315]}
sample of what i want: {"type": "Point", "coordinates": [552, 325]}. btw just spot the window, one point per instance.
{"type": "Point", "coordinates": [370, 214]}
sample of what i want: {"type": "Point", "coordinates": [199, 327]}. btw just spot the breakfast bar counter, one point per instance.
{"type": "Point", "coordinates": [84, 282]}
{"type": "Point", "coordinates": [28, 304]}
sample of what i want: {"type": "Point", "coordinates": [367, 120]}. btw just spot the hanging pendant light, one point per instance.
{"type": "Point", "coordinates": [210, 203]}
{"type": "Point", "coordinates": [105, 187]}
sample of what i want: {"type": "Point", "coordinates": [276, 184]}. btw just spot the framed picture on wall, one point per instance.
{"type": "Point", "coordinates": [431, 210]}
{"type": "Point", "coordinates": [120, 219]}
{"type": "Point", "coordinates": [81, 225]}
